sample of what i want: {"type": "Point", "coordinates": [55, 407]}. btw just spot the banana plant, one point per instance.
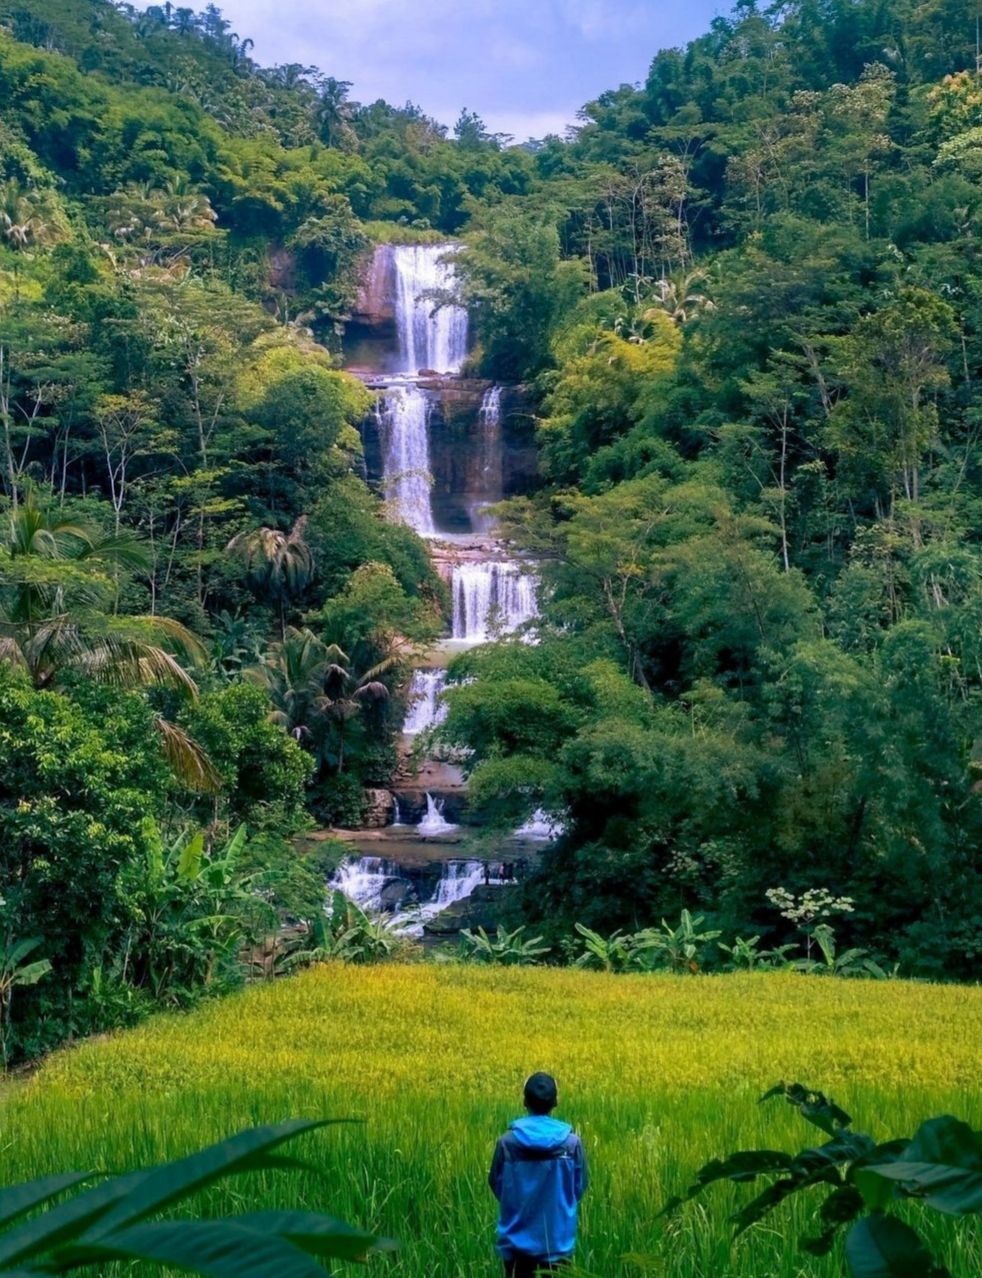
{"type": "Point", "coordinates": [852, 962]}
{"type": "Point", "coordinates": [508, 949]}
{"type": "Point", "coordinates": [861, 1179]}
{"type": "Point", "coordinates": [45, 1228]}
{"type": "Point", "coordinates": [14, 973]}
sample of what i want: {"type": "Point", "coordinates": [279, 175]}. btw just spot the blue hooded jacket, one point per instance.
{"type": "Point", "coordinates": [538, 1175]}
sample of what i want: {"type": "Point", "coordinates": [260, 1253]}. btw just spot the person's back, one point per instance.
{"type": "Point", "coordinates": [538, 1175]}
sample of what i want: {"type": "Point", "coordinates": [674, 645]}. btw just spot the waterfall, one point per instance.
{"type": "Point", "coordinates": [490, 459]}
{"type": "Point", "coordinates": [428, 338]}
{"type": "Point", "coordinates": [424, 709]}
{"type": "Point", "coordinates": [541, 827]}
{"type": "Point", "coordinates": [433, 822]}
{"type": "Point", "coordinates": [362, 880]}
{"type": "Point", "coordinates": [403, 414]}
{"type": "Point", "coordinates": [492, 595]}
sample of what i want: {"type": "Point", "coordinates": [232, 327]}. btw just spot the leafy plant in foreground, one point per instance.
{"type": "Point", "coordinates": [349, 934]}
{"type": "Point", "coordinates": [677, 949]}
{"type": "Point", "coordinates": [108, 1221]}
{"type": "Point", "coordinates": [941, 1167]}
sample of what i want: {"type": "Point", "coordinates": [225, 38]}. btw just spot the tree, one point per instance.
{"type": "Point", "coordinates": [314, 693]}
{"type": "Point", "coordinates": [58, 583]}
{"type": "Point", "coordinates": [279, 565]}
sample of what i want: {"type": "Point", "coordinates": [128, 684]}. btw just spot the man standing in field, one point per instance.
{"type": "Point", "coordinates": [538, 1175]}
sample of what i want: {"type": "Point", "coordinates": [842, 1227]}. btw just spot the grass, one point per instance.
{"type": "Point", "coordinates": [657, 1072]}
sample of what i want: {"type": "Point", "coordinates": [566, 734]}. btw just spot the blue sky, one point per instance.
{"type": "Point", "coordinates": [525, 66]}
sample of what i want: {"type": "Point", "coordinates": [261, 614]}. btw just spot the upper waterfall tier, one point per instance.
{"type": "Point", "coordinates": [399, 326]}
{"type": "Point", "coordinates": [430, 336]}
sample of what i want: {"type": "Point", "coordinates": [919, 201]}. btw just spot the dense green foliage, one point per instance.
{"type": "Point", "coordinates": [744, 299]}
{"type": "Point", "coordinates": [861, 1179]}
{"type": "Point", "coordinates": [759, 659]}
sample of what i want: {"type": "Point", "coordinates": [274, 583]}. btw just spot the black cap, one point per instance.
{"type": "Point", "coordinates": [541, 1094]}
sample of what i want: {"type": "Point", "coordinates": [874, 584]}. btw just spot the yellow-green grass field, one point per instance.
{"type": "Point", "coordinates": [657, 1072]}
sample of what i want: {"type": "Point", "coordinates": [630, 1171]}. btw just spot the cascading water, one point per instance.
{"type": "Point", "coordinates": [363, 880]}
{"type": "Point", "coordinates": [541, 827]}
{"type": "Point", "coordinates": [433, 822]}
{"type": "Point", "coordinates": [490, 459]}
{"type": "Point", "coordinates": [425, 710]}
{"type": "Point", "coordinates": [403, 413]}
{"type": "Point", "coordinates": [430, 336]}
{"type": "Point", "coordinates": [491, 596]}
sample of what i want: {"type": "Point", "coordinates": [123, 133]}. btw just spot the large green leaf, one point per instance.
{"type": "Point", "coordinates": [66, 1221]}
{"type": "Point", "coordinates": [814, 1107]}
{"type": "Point", "coordinates": [881, 1246]}
{"type": "Point", "coordinates": [319, 1235]}
{"type": "Point", "coordinates": [31, 973]}
{"type": "Point", "coordinates": [744, 1165]}
{"type": "Point", "coordinates": [214, 1248]}
{"type": "Point", "coordinates": [247, 1151]}
{"type": "Point", "coordinates": [19, 1199]}
{"type": "Point", "coordinates": [942, 1165]}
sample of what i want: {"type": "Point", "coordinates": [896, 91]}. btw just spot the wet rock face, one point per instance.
{"type": "Point", "coordinates": [380, 807]}
{"type": "Point", "coordinates": [371, 336]}
{"type": "Point", "coordinates": [375, 301]}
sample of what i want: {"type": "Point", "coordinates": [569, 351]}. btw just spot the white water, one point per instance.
{"type": "Point", "coordinates": [433, 822]}
{"type": "Point", "coordinates": [490, 597]}
{"type": "Point", "coordinates": [362, 881]}
{"type": "Point", "coordinates": [541, 827]}
{"type": "Point", "coordinates": [403, 415]}
{"type": "Point", "coordinates": [425, 710]}
{"type": "Point", "coordinates": [428, 338]}
{"type": "Point", "coordinates": [490, 458]}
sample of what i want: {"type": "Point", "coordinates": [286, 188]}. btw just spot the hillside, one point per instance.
{"type": "Point", "coordinates": [721, 348]}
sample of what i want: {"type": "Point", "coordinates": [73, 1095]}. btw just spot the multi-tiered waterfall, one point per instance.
{"type": "Point", "coordinates": [443, 448]}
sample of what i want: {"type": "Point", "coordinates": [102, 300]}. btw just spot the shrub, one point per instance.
{"type": "Point", "coordinates": [264, 771]}
{"type": "Point", "coordinates": [80, 787]}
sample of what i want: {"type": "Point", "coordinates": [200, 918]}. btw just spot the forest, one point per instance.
{"type": "Point", "coordinates": [744, 299]}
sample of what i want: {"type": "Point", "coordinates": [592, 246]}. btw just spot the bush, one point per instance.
{"type": "Point", "coordinates": [339, 800]}
{"type": "Point", "coordinates": [263, 770]}
{"type": "Point", "coordinates": [80, 788]}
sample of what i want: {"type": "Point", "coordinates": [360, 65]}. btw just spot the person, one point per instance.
{"type": "Point", "coordinates": [538, 1175]}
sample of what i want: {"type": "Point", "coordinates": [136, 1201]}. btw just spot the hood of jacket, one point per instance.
{"type": "Point", "coordinates": [540, 1131]}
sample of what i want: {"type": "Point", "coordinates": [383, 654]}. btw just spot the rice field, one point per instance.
{"type": "Point", "coordinates": [658, 1073]}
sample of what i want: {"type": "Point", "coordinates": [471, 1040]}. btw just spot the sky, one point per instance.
{"type": "Point", "coordinates": [525, 66]}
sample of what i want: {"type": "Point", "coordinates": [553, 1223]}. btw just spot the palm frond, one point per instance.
{"type": "Point", "coordinates": [188, 760]}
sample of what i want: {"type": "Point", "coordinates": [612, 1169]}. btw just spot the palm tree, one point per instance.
{"type": "Point", "coordinates": [20, 221]}
{"type": "Point", "coordinates": [58, 584]}
{"type": "Point", "coordinates": [681, 299]}
{"type": "Point", "coordinates": [278, 565]}
{"type": "Point", "coordinates": [312, 688]}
